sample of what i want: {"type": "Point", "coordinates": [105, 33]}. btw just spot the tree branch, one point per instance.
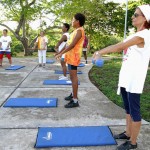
{"type": "Point", "coordinates": [20, 24]}
{"type": "Point", "coordinates": [33, 41]}
{"type": "Point", "coordinates": [32, 2]}
{"type": "Point", "coordinates": [16, 35]}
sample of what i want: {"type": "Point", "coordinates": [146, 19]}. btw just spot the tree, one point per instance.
{"type": "Point", "coordinates": [101, 17]}
{"type": "Point", "coordinates": [23, 12]}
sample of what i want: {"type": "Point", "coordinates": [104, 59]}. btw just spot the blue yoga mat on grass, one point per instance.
{"type": "Point", "coordinates": [50, 61]}
{"type": "Point", "coordinates": [58, 82]}
{"type": "Point", "coordinates": [16, 67]}
{"type": "Point", "coordinates": [81, 65]}
{"type": "Point", "coordinates": [61, 72]}
{"type": "Point", "coordinates": [74, 136]}
{"type": "Point", "coordinates": [31, 102]}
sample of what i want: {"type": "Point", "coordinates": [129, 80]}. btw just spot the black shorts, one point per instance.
{"type": "Point", "coordinates": [72, 67]}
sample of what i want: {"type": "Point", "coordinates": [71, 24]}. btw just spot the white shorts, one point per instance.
{"type": "Point", "coordinates": [84, 49]}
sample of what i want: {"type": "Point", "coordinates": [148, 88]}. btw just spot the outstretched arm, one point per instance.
{"type": "Point", "coordinates": [120, 46]}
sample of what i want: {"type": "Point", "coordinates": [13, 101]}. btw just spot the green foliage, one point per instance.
{"type": "Point", "coordinates": [104, 20]}
{"type": "Point", "coordinates": [106, 80]}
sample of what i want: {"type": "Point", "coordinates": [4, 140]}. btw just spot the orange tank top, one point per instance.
{"type": "Point", "coordinates": [73, 56]}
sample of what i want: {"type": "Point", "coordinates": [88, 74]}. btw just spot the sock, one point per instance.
{"type": "Point", "coordinates": [75, 100]}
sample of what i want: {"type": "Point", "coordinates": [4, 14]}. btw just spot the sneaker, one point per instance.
{"type": "Point", "coordinates": [69, 98]}
{"type": "Point", "coordinates": [11, 65]}
{"type": "Point", "coordinates": [121, 136]}
{"type": "Point", "coordinates": [63, 78]}
{"type": "Point", "coordinates": [126, 146]}
{"type": "Point", "coordinates": [43, 65]}
{"type": "Point", "coordinates": [40, 65]}
{"type": "Point", "coordinates": [72, 104]}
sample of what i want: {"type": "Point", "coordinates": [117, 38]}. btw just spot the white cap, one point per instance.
{"type": "Point", "coordinates": [146, 11]}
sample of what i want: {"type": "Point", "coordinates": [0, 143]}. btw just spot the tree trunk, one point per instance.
{"type": "Point", "coordinates": [27, 51]}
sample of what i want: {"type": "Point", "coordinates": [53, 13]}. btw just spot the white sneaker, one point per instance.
{"type": "Point", "coordinates": [12, 65]}
{"type": "Point", "coordinates": [63, 78]}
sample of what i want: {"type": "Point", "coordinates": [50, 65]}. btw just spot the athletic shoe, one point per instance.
{"type": "Point", "coordinates": [72, 104]}
{"type": "Point", "coordinates": [63, 78]}
{"type": "Point", "coordinates": [126, 146]}
{"type": "Point", "coordinates": [40, 65]}
{"type": "Point", "coordinates": [11, 65]}
{"type": "Point", "coordinates": [121, 136]}
{"type": "Point", "coordinates": [69, 98]}
{"type": "Point", "coordinates": [43, 65]}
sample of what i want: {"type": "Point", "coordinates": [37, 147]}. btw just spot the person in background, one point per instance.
{"type": "Point", "coordinates": [5, 42]}
{"type": "Point", "coordinates": [133, 73]}
{"type": "Point", "coordinates": [41, 42]}
{"type": "Point", "coordinates": [85, 48]}
{"type": "Point", "coordinates": [73, 54]}
{"type": "Point", "coordinates": [60, 46]}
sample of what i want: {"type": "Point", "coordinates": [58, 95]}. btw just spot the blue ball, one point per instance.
{"type": "Point", "coordinates": [93, 61]}
{"type": "Point", "coordinates": [99, 63]}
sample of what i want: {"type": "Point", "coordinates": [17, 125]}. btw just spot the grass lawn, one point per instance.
{"type": "Point", "coordinates": [106, 80]}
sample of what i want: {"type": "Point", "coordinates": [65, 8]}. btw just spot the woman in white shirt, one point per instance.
{"type": "Point", "coordinates": [133, 73]}
{"type": "Point", "coordinates": [41, 42]}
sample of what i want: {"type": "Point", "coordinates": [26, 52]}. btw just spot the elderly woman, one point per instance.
{"type": "Point", "coordinates": [133, 73]}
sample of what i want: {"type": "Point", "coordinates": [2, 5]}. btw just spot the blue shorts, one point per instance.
{"type": "Point", "coordinates": [5, 52]}
{"type": "Point", "coordinates": [72, 67]}
{"type": "Point", "coordinates": [131, 104]}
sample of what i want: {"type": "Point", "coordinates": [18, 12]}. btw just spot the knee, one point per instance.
{"type": "Point", "coordinates": [136, 116]}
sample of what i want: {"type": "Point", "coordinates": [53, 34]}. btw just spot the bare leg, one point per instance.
{"type": "Point", "coordinates": [63, 64]}
{"type": "Point", "coordinates": [135, 129]}
{"type": "Point", "coordinates": [74, 79]}
{"type": "Point", "coordinates": [10, 61]}
{"type": "Point", "coordinates": [128, 125]}
{"type": "Point", "coordinates": [0, 62]}
{"type": "Point", "coordinates": [85, 56]}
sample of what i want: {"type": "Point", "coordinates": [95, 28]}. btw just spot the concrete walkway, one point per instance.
{"type": "Point", "coordinates": [19, 126]}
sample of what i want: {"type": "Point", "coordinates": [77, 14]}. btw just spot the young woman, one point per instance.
{"type": "Point", "coordinates": [73, 55]}
{"type": "Point", "coordinates": [60, 46]}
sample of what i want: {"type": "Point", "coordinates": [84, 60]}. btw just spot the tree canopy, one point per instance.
{"type": "Point", "coordinates": [104, 20]}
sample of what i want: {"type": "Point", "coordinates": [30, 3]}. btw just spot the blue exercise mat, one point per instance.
{"type": "Point", "coordinates": [61, 72]}
{"type": "Point", "coordinates": [81, 65]}
{"type": "Point", "coordinates": [16, 67]}
{"type": "Point", "coordinates": [58, 82]}
{"type": "Point", "coordinates": [74, 136]}
{"type": "Point", "coordinates": [50, 61]}
{"type": "Point", "coordinates": [31, 102]}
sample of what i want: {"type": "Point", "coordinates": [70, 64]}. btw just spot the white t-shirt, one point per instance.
{"type": "Point", "coordinates": [5, 40]}
{"type": "Point", "coordinates": [135, 65]}
{"type": "Point", "coordinates": [61, 46]}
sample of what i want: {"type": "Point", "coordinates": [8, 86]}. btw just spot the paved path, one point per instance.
{"type": "Point", "coordinates": [19, 126]}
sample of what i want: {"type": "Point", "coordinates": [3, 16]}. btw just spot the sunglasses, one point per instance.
{"type": "Point", "coordinates": [137, 15]}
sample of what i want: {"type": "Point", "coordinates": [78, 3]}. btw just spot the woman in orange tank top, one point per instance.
{"type": "Point", "coordinates": [73, 55]}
